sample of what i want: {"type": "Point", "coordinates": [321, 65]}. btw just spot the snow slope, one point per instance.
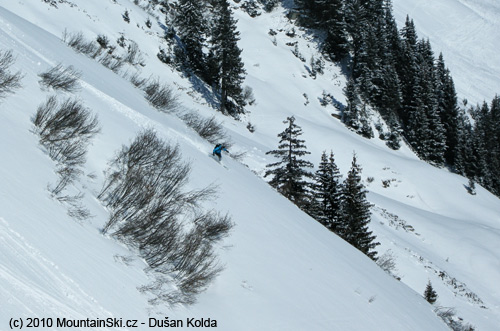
{"type": "Point", "coordinates": [283, 271]}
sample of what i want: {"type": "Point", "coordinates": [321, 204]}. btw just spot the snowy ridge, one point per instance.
{"type": "Point", "coordinates": [283, 271]}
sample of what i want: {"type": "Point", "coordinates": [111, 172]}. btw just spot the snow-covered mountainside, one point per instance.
{"type": "Point", "coordinates": [283, 270]}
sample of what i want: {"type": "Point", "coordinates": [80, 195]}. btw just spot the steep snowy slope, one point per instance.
{"type": "Point", "coordinates": [283, 270]}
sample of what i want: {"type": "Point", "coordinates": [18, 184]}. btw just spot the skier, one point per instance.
{"type": "Point", "coordinates": [218, 150]}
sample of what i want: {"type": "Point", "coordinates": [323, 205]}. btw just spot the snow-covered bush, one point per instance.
{"type": "Point", "coordinates": [151, 211]}
{"type": "Point", "coordinates": [112, 62]}
{"type": "Point", "coordinates": [248, 95]}
{"type": "Point", "coordinates": [8, 81]}
{"type": "Point", "coordinates": [65, 129]}
{"type": "Point", "coordinates": [78, 42]}
{"type": "Point", "coordinates": [134, 55]}
{"type": "Point", "coordinates": [60, 78]}
{"type": "Point", "coordinates": [160, 95]}
{"type": "Point", "coordinates": [208, 128]}
{"type": "Point", "coordinates": [448, 315]}
{"type": "Point", "coordinates": [387, 262]}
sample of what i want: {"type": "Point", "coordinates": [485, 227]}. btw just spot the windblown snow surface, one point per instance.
{"type": "Point", "coordinates": [283, 271]}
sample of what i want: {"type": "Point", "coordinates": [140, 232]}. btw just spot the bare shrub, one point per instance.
{"type": "Point", "coordinates": [251, 127]}
{"type": "Point", "coordinates": [134, 55]}
{"type": "Point", "coordinates": [248, 95]}
{"type": "Point", "coordinates": [213, 226]}
{"type": "Point", "coordinates": [78, 42]}
{"type": "Point", "coordinates": [145, 192]}
{"type": "Point", "coordinates": [387, 262]}
{"type": "Point", "coordinates": [103, 41]}
{"type": "Point", "coordinates": [138, 81]}
{"type": "Point", "coordinates": [160, 95]}
{"type": "Point", "coordinates": [198, 266]}
{"type": "Point", "coordinates": [112, 62]}
{"type": "Point", "coordinates": [67, 175]}
{"type": "Point", "coordinates": [9, 82]}
{"type": "Point", "coordinates": [208, 128]}
{"type": "Point", "coordinates": [448, 315]}
{"type": "Point", "coordinates": [76, 209]}
{"type": "Point", "coordinates": [60, 78]}
{"type": "Point", "coordinates": [60, 125]}
{"type": "Point", "coordinates": [65, 130]}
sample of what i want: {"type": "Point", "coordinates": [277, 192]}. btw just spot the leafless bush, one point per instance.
{"type": "Point", "coordinates": [160, 95]}
{"type": "Point", "coordinates": [213, 226]}
{"type": "Point", "coordinates": [60, 78]}
{"type": "Point", "coordinates": [78, 42]}
{"type": "Point", "coordinates": [103, 41]}
{"type": "Point", "coordinates": [208, 128]}
{"type": "Point", "coordinates": [251, 127]}
{"type": "Point", "coordinates": [76, 209]}
{"type": "Point", "coordinates": [67, 175]}
{"type": "Point", "coordinates": [448, 315]}
{"type": "Point", "coordinates": [387, 262]}
{"type": "Point", "coordinates": [65, 128]}
{"type": "Point", "coordinates": [145, 192]}
{"type": "Point", "coordinates": [112, 62]}
{"type": "Point", "coordinates": [138, 81]}
{"type": "Point", "coordinates": [8, 81]}
{"type": "Point", "coordinates": [248, 95]}
{"type": "Point", "coordinates": [134, 55]}
{"type": "Point", "coordinates": [198, 266]}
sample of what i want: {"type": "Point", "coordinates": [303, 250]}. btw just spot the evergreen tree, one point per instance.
{"type": "Point", "coordinates": [480, 140]}
{"type": "Point", "coordinates": [331, 18]}
{"type": "Point", "coordinates": [494, 144]}
{"type": "Point", "coordinates": [407, 70]}
{"type": "Point", "coordinates": [434, 140]}
{"type": "Point", "coordinates": [356, 213]}
{"type": "Point", "coordinates": [327, 193]}
{"type": "Point", "coordinates": [429, 294]}
{"type": "Point", "coordinates": [354, 114]}
{"type": "Point", "coordinates": [191, 29]}
{"type": "Point", "coordinates": [289, 174]}
{"type": "Point", "coordinates": [462, 152]}
{"type": "Point", "coordinates": [227, 57]}
{"type": "Point", "coordinates": [448, 109]}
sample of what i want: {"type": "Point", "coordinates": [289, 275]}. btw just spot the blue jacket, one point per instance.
{"type": "Point", "coordinates": [218, 149]}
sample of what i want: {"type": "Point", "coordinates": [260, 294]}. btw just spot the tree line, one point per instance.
{"type": "Point", "coordinates": [397, 74]}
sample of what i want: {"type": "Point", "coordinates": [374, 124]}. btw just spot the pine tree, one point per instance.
{"type": "Point", "coordinates": [191, 29]}
{"type": "Point", "coordinates": [354, 115]}
{"type": "Point", "coordinates": [448, 109]}
{"type": "Point", "coordinates": [332, 21]}
{"type": "Point", "coordinates": [494, 144]}
{"type": "Point", "coordinates": [461, 152]}
{"type": "Point", "coordinates": [356, 213]}
{"type": "Point", "coordinates": [327, 193]}
{"type": "Point", "coordinates": [408, 70]}
{"type": "Point", "coordinates": [430, 295]}
{"type": "Point", "coordinates": [434, 140]}
{"type": "Point", "coordinates": [227, 57]}
{"type": "Point", "coordinates": [289, 174]}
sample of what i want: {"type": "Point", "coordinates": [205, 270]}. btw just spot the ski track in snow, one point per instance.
{"type": "Point", "coordinates": [60, 295]}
